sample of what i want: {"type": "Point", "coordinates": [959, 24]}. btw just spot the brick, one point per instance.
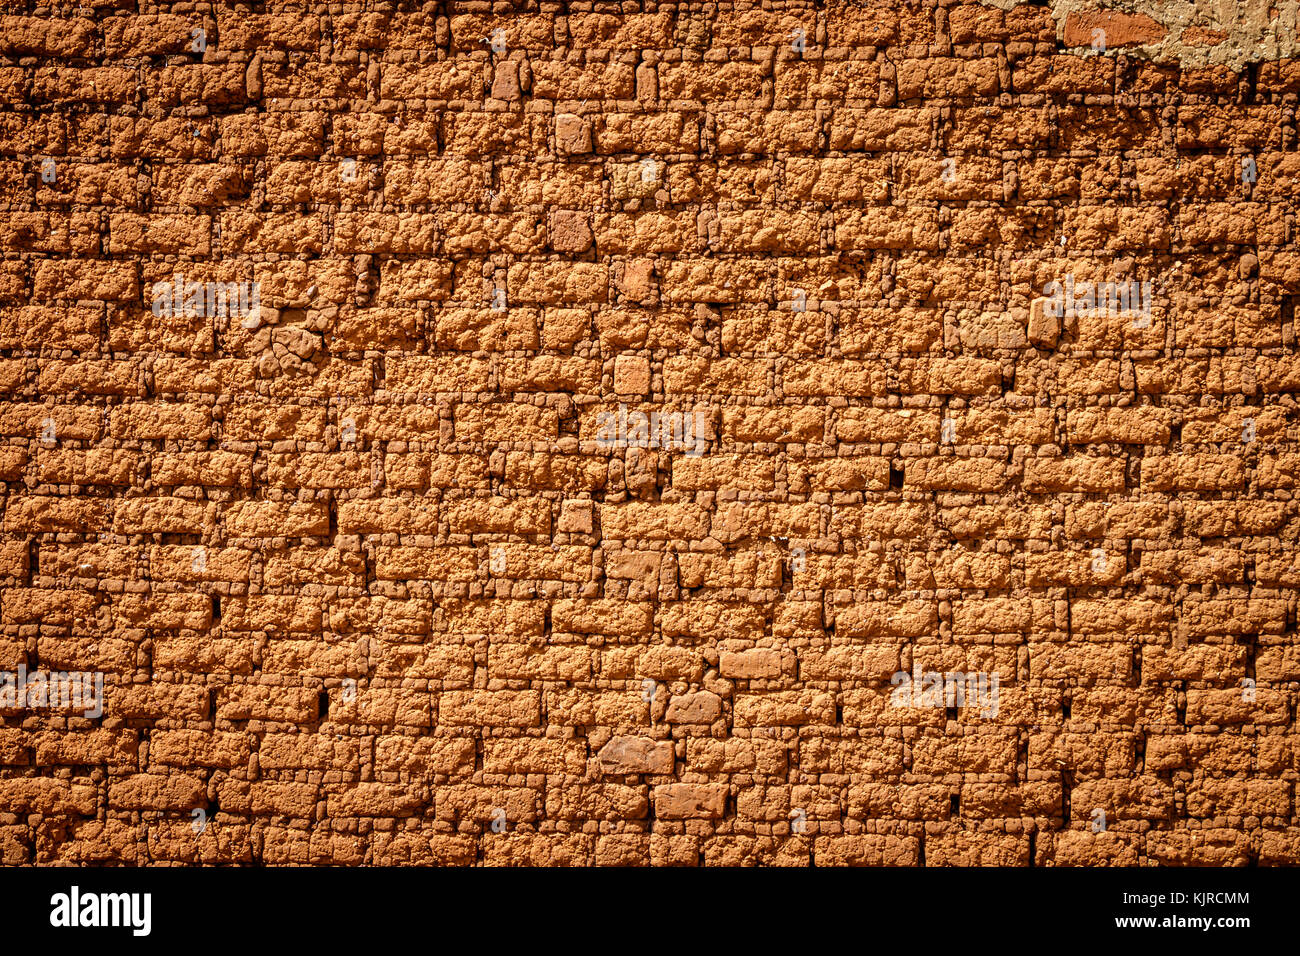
{"type": "Point", "coordinates": [680, 801]}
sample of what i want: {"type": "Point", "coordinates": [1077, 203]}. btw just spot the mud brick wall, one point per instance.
{"type": "Point", "coordinates": [389, 568]}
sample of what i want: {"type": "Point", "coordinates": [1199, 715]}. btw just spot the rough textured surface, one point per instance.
{"type": "Point", "coordinates": [376, 572]}
{"type": "Point", "coordinates": [1193, 33]}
